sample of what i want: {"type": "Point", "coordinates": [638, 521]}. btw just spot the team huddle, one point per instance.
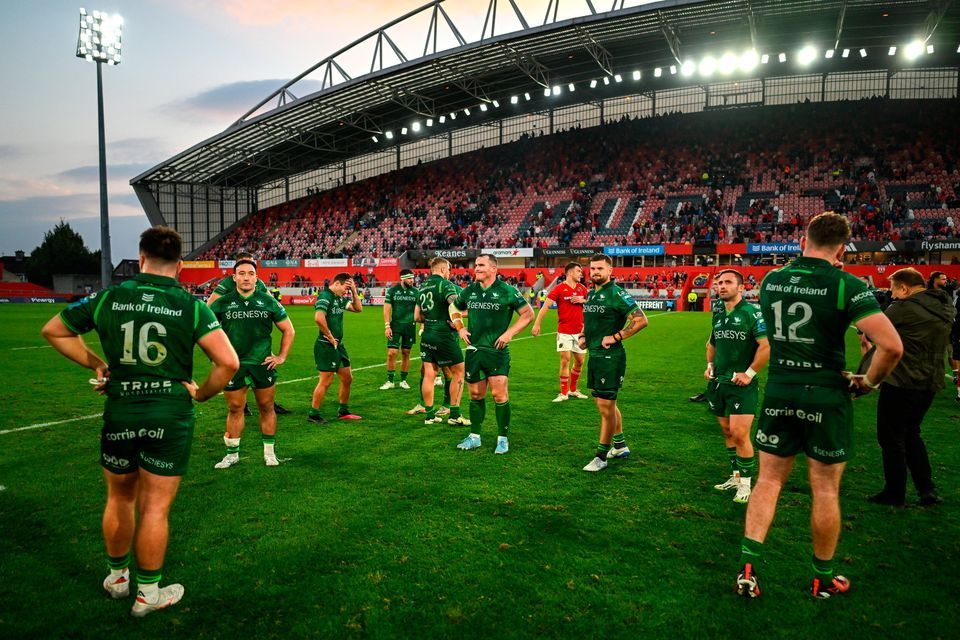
{"type": "Point", "coordinates": [148, 327]}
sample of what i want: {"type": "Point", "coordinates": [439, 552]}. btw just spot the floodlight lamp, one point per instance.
{"type": "Point", "coordinates": [100, 37]}
{"type": "Point", "coordinates": [728, 63]}
{"type": "Point", "coordinates": [496, 104]}
{"type": "Point", "coordinates": [375, 138]}
{"type": "Point", "coordinates": [556, 90]}
{"type": "Point", "coordinates": [828, 53]}
{"type": "Point", "coordinates": [636, 75]}
{"type": "Point", "coordinates": [846, 53]}
{"type": "Point", "coordinates": [415, 126]}
{"type": "Point", "coordinates": [466, 111]}
{"type": "Point", "coordinates": [782, 57]}
{"type": "Point", "coordinates": [526, 96]}
{"type": "Point", "coordinates": [403, 131]}
{"type": "Point", "coordinates": [673, 69]}
{"type": "Point", "coordinates": [514, 99]}
{"type": "Point", "coordinates": [688, 68]}
{"type": "Point", "coordinates": [863, 53]}
{"type": "Point", "coordinates": [571, 87]}
{"type": "Point", "coordinates": [618, 77]}
{"type": "Point", "coordinates": [483, 107]}
{"type": "Point", "coordinates": [657, 72]}
{"type": "Point", "coordinates": [388, 134]}
{"type": "Point", "coordinates": [593, 83]}
{"type": "Point", "coordinates": [913, 50]}
{"type": "Point", "coordinates": [429, 122]}
{"type": "Point", "coordinates": [929, 49]}
{"type": "Point", "coordinates": [453, 115]}
{"type": "Point", "coordinates": [806, 55]}
{"type": "Point", "coordinates": [606, 80]}
{"type": "Point", "coordinates": [892, 51]}
{"type": "Point", "coordinates": [748, 61]}
{"type": "Point", "coordinates": [443, 119]}
{"type": "Point", "coordinates": [765, 58]}
{"type": "Point", "coordinates": [708, 65]}
{"type": "Point", "coordinates": [546, 92]}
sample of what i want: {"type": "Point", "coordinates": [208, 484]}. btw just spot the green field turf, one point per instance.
{"type": "Point", "coordinates": [383, 529]}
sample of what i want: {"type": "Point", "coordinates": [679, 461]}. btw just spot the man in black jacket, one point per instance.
{"type": "Point", "coordinates": [923, 318]}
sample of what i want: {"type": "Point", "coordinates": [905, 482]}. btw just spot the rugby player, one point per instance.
{"type": "Point", "coordinates": [807, 307]}
{"type": "Point", "coordinates": [607, 309]}
{"type": "Point", "coordinates": [228, 285]}
{"type": "Point", "coordinates": [490, 303]}
{"type": "Point", "coordinates": [248, 315]}
{"type": "Point", "coordinates": [329, 354]}
{"type": "Point", "coordinates": [736, 351]}
{"type": "Point", "coordinates": [148, 327]}
{"type": "Point", "coordinates": [439, 347]}
{"type": "Point", "coordinates": [569, 296]}
{"type": "Point", "coordinates": [399, 328]}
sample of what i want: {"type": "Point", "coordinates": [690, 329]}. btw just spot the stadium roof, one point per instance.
{"type": "Point", "coordinates": [285, 135]}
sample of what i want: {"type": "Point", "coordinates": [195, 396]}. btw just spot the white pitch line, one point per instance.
{"type": "Point", "coordinates": [372, 366]}
{"type": "Point", "coordinates": [46, 346]}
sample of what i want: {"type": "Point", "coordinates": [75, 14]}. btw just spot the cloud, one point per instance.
{"type": "Point", "coordinates": [234, 99]}
{"type": "Point", "coordinates": [91, 173]}
{"type": "Point", "coordinates": [11, 151]}
{"type": "Point", "coordinates": [134, 150]}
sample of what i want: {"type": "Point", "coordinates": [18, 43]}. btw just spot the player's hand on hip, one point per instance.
{"type": "Point", "coordinates": [193, 389]}
{"type": "Point", "coordinates": [741, 379]}
{"type": "Point", "coordinates": [464, 334]}
{"type": "Point", "coordinates": [273, 361]}
{"type": "Point", "coordinates": [608, 341]}
{"type": "Point", "coordinates": [503, 341]}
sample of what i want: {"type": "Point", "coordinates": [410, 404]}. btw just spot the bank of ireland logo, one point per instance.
{"type": "Point", "coordinates": [794, 279]}
{"type": "Point", "coordinates": [147, 297]}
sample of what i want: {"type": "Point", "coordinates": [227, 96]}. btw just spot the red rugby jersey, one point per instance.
{"type": "Point", "coordinates": [569, 313]}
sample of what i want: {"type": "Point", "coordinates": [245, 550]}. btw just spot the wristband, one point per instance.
{"type": "Point", "coordinates": [867, 381]}
{"type": "Point", "coordinates": [386, 324]}
{"type": "Point", "coordinates": [618, 336]}
{"type": "Point", "coordinates": [750, 372]}
{"type": "Point", "coordinates": [710, 366]}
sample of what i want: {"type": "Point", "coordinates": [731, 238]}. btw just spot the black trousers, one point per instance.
{"type": "Point", "coordinates": [899, 414]}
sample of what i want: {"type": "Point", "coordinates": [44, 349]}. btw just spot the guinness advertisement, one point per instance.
{"type": "Point", "coordinates": [573, 252]}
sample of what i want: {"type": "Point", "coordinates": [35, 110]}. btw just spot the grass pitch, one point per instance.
{"type": "Point", "coordinates": [383, 529]}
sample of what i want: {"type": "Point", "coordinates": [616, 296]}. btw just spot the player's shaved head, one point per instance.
{"type": "Point", "coordinates": [161, 244]}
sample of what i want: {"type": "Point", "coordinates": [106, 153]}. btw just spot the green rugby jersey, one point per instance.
{"type": "Point", "coordinates": [432, 298]}
{"type": "Point", "coordinates": [489, 311]}
{"type": "Point", "coordinates": [227, 285]}
{"type": "Point", "coordinates": [734, 338]}
{"type": "Point", "coordinates": [332, 305]}
{"type": "Point", "coordinates": [404, 300]}
{"type": "Point", "coordinates": [147, 328]}
{"type": "Point", "coordinates": [605, 313]}
{"type": "Point", "coordinates": [248, 322]}
{"type": "Point", "coordinates": [807, 306]}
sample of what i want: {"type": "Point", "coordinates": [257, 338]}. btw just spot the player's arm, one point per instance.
{"type": "Point", "coordinates": [213, 298]}
{"type": "Point", "coordinates": [356, 305]}
{"type": "Point", "coordinates": [636, 322]}
{"type": "Point", "coordinates": [387, 315]}
{"type": "Point", "coordinates": [760, 360]}
{"type": "Point", "coordinates": [72, 346]}
{"type": "Point", "coordinates": [225, 364]}
{"type": "Point", "coordinates": [711, 356]}
{"type": "Point", "coordinates": [525, 317]}
{"type": "Point", "coordinates": [540, 315]}
{"type": "Point", "coordinates": [889, 351]}
{"type": "Point", "coordinates": [320, 317]}
{"type": "Point", "coordinates": [287, 333]}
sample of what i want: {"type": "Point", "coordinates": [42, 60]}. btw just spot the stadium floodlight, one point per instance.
{"type": "Point", "coordinates": [688, 68]}
{"type": "Point", "coordinates": [749, 60]}
{"type": "Point", "coordinates": [571, 87]}
{"type": "Point", "coordinates": [606, 80]}
{"type": "Point", "coordinates": [863, 53]}
{"type": "Point", "coordinates": [845, 53]}
{"type": "Point", "coordinates": [765, 58]}
{"type": "Point", "coordinates": [546, 92]}
{"type": "Point", "coordinates": [429, 122]}
{"type": "Point", "coordinates": [913, 50]}
{"type": "Point", "coordinates": [514, 99]}
{"type": "Point", "coordinates": [403, 131]}
{"type": "Point", "coordinates": [828, 53]}
{"type": "Point", "coordinates": [929, 49]}
{"type": "Point", "coordinates": [593, 84]}
{"type": "Point", "coordinates": [557, 90]}
{"type": "Point", "coordinates": [388, 134]}
{"type": "Point", "coordinates": [483, 106]}
{"type": "Point", "coordinates": [526, 96]}
{"type": "Point", "coordinates": [375, 138]}
{"type": "Point", "coordinates": [892, 51]}
{"type": "Point", "coordinates": [673, 69]}
{"type": "Point", "coordinates": [806, 55]}
{"type": "Point", "coordinates": [637, 75]}
{"type": "Point", "coordinates": [657, 72]}
{"type": "Point", "coordinates": [443, 119]}
{"type": "Point", "coordinates": [728, 63]}
{"type": "Point", "coordinates": [782, 57]}
{"type": "Point", "coordinates": [958, 48]}
{"type": "Point", "coordinates": [618, 77]}
{"type": "Point", "coordinates": [466, 111]}
{"type": "Point", "coordinates": [100, 40]}
{"type": "Point", "coordinates": [496, 104]}
{"type": "Point", "coordinates": [707, 66]}
{"type": "Point", "coordinates": [415, 126]}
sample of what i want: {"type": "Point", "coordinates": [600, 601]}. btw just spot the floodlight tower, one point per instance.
{"type": "Point", "coordinates": [99, 41]}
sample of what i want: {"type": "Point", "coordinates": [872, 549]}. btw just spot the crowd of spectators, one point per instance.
{"type": "Point", "coordinates": [751, 175]}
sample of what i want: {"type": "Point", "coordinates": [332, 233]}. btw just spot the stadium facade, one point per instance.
{"type": "Point", "coordinates": [524, 78]}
